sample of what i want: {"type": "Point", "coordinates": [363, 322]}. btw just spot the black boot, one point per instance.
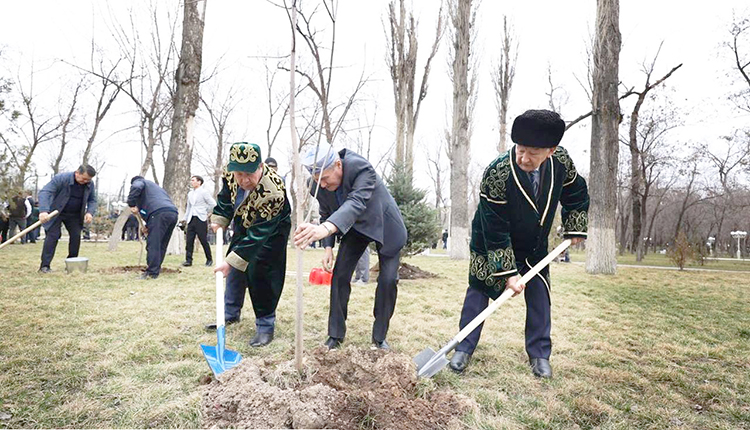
{"type": "Point", "coordinates": [460, 361]}
{"type": "Point", "coordinates": [333, 343]}
{"type": "Point", "coordinates": [261, 339]}
{"type": "Point", "coordinates": [381, 345]}
{"type": "Point", "coordinates": [540, 367]}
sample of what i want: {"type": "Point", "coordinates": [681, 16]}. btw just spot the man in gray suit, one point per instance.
{"type": "Point", "coordinates": [356, 205]}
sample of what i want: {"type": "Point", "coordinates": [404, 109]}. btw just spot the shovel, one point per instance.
{"type": "Point", "coordinates": [430, 362]}
{"type": "Point", "coordinates": [220, 359]}
{"type": "Point", "coordinates": [27, 229]}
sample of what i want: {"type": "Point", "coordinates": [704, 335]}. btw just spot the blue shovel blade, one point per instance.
{"type": "Point", "coordinates": [220, 359]}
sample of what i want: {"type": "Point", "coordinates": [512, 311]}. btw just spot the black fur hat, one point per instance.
{"type": "Point", "coordinates": [538, 129]}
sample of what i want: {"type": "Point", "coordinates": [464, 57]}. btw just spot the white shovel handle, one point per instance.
{"type": "Point", "coordinates": [219, 278]}
{"type": "Point", "coordinates": [508, 293]}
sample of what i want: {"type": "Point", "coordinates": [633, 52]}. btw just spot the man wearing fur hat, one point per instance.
{"type": "Point", "coordinates": [519, 194]}
{"type": "Point", "coordinates": [253, 195]}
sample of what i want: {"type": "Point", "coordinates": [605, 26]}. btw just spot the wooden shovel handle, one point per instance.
{"type": "Point", "coordinates": [27, 229]}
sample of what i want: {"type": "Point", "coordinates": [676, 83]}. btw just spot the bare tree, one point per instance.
{"type": "Point", "coordinates": [502, 81]}
{"type": "Point", "coordinates": [149, 64]}
{"type": "Point", "coordinates": [691, 194]}
{"type": "Point", "coordinates": [402, 62]}
{"type": "Point", "coordinates": [219, 114]}
{"type": "Point", "coordinates": [108, 92]}
{"type": "Point", "coordinates": [654, 130]}
{"type": "Point", "coordinates": [601, 255]}
{"type": "Point", "coordinates": [320, 79]}
{"type": "Point", "coordinates": [39, 127]}
{"type": "Point", "coordinates": [278, 107]}
{"type": "Point", "coordinates": [65, 124]}
{"type": "Point", "coordinates": [462, 15]}
{"type": "Point", "coordinates": [436, 169]}
{"type": "Point", "coordinates": [739, 45]}
{"type": "Point", "coordinates": [186, 103]}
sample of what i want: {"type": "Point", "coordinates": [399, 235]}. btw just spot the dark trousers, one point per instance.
{"type": "Point", "coordinates": [199, 228]}
{"type": "Point", "coordinates": [351, 248]}
{"type": "Point", "coordinates": [538, 318]}
{"type": "Point", "coordinates": [4, 225]}
{"type": "Point", "coordinates": [263, 279]}
{"type": "Point", "coordinates": [73, 224]}
{"type": "Point", "coordinates": [21, 223]}
{"type": "Point", "coordinates": [33, 234]}
{"type": "Point", "coordinates": [160, 226]}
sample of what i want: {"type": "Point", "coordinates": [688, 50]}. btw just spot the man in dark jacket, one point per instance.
{"type": "Point", "coordinates": [73, 195]}
{"type": "Point", "coordinates": [355, 204]}
{"type": "Point", "coordinates": [253, 198]}
{"type": "Point", "coordinates": [153, 204]}
{"type": "Point", "coordinates": [19, 211]}
{"type": "Point", "coordinates": [518, 196]}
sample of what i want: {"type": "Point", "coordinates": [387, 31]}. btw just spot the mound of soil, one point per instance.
{"type": "Point", "coordinates": [406, 271]}
{"type": "Point", "coordinates": [345, 389]}
{"type": "Point", "coordinates": [128, 269]}
{"type": "Point", "coordinates": [410, 271]}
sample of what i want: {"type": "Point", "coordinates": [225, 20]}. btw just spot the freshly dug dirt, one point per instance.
{"type": "Point", "coordinates": [345, 389]}
{"type": "Point", "coordinates": [128, 269]}
{"type": "Point", "coordinates": [405, 271]}
{"type": "Point", "coordinates": [409, 271]}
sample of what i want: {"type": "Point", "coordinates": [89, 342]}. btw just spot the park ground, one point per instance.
{"type": "Point", "coordinates": [646, 348]}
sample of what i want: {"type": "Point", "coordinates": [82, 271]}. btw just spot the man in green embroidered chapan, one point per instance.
{"type": "Point", "coordinates": [254, 197]}
{"type": "Point", "coordinates": [519, 193]}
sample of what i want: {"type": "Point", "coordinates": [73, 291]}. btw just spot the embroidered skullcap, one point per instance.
{"type": "Point", "coordinates": [538, 129]}
{"type": "Point", "coordinates": [244, 157]}
{"type": "Point", "coordinates": [316, 163]}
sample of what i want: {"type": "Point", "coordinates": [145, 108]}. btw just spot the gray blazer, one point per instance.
{"type": "Point", "coordinates": [367, 206]}
{"type": "Point", "coordinates": [55, 195]}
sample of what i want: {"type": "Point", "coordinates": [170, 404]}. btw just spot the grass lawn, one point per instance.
{"type": "Point", "coordinates": [662, 260]}
{"type": "Point", "coordinates": [646, 348]}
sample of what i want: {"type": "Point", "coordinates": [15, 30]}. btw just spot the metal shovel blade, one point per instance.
{"type": "Point", "coordinates": [220, 359]}
{"type": "Point", "coordinates": [429, 362]}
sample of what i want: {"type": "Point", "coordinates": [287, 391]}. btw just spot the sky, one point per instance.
{"type": "Point", "coordinates": [550, 34]}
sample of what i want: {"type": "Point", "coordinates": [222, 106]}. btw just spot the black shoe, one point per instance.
{"type": "Point", "coordinates": [146, 275]}
{"type": "Point", "coordinates": [540, 367]}
{"type": "Point", "coordinates": [333, 343]}
{"type": "Point", "coordinates": [381, 345]}
{"type": "Point", "coordinates": [209, 263]}
{"type": "Point", "coordinates": [261, 339]}
{"type": "Point", "coordinates": [45, 269]}
{"type": "Point", "coordinates": [187, 263]}
{"type": "Point", "coordinates": [212, 326]}
{"type": "Point", "coordinates": [460, 361]}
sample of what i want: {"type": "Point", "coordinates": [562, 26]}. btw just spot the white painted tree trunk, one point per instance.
{"type": "Point", "coordinates": [601, 252]}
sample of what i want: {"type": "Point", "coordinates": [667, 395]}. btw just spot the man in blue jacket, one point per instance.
{"type": "Point", "coordinates": [355, 204]}
{"type": "Point", "coordinates": [156, 208]}
{"type": "Point", "coordinates": [73, 195]}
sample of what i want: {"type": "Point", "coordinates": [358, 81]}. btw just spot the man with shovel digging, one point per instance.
{"type": "Point", "coordinates": [160, 214]}
{"type": "Point", "coordinates": [355, 204]}
{"type": "Point", "coordinates": [254, 197]}
{"type": "Point", "coordinates": [72, 194]}
{"type": "Point", "coordinates": [519, 194]}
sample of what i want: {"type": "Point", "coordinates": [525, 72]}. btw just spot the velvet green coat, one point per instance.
{"type": "Point", "coordinates": [262, 219]}
{"type": "Point", "coordinates": [510, 227]}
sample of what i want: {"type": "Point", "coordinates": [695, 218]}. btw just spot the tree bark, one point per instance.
{"type": "Point", "coordinates": [601, 254]}
{"type": "Point", "coordinates": [461, 15]}
{"type": "Point", "coordinates": [402, 62]}
{"type": "Point", "coordinates": [187, 97]}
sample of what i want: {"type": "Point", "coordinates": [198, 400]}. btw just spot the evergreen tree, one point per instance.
{"type": "Point", "coordinates": [421, 220]}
